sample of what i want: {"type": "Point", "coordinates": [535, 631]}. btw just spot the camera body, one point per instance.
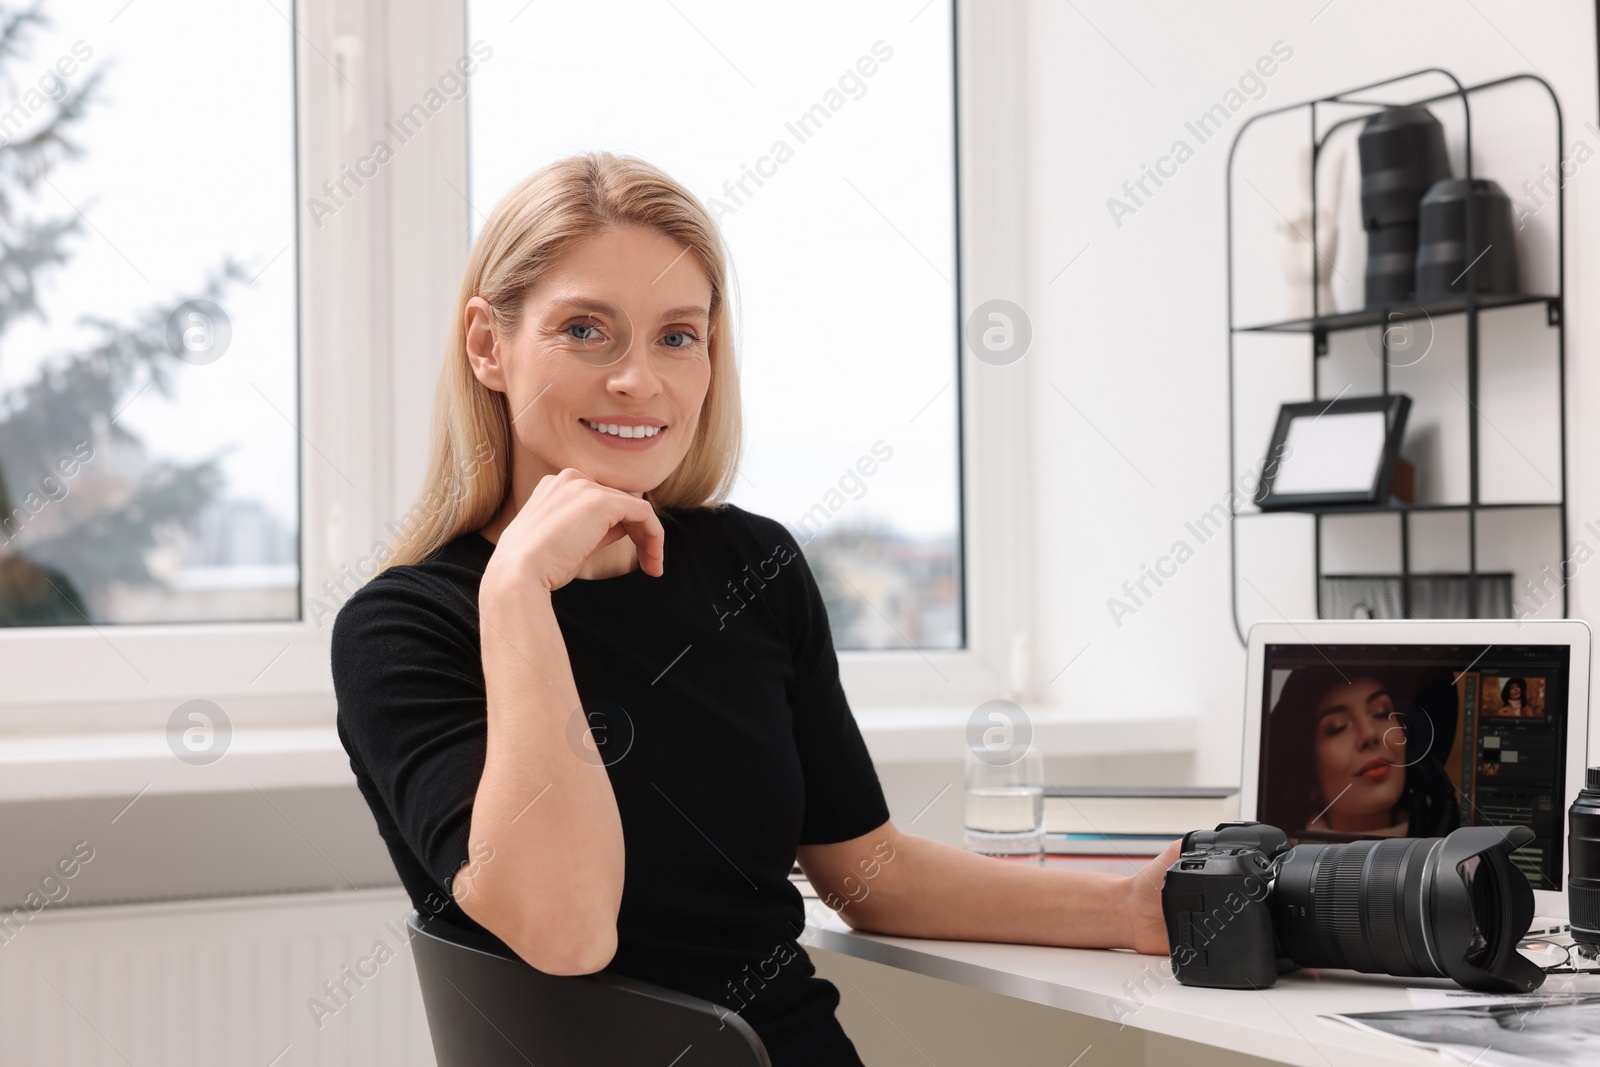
{"type": "Point", "coordinates": [1215, 902]}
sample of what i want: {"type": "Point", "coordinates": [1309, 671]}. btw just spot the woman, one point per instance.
{"type": "Point", "coordinates": [1346, 760]}
{"type": "Point", "coordinates": [1513, 698]}
{"type": "Point", "coordinates": [1360, 746]}
{"type": "Point", "coordinates": [596, 711]}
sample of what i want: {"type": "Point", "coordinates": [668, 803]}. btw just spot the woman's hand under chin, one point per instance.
{"type": "Point", "coordinates": [1146, 926]}
{"type": "Point", "coordinates": [566, 519]}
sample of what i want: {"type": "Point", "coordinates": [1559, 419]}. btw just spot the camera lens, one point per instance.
{"type": "Point", "coordinates": [1583, 871]}
{"type": "Point", "coordinates": [1426, 907]}
{"type": "Point", "coordinates": [1357, 905]}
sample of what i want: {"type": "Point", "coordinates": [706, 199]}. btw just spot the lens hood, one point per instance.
{"type": "Point", "coordinates": [1481, 906]}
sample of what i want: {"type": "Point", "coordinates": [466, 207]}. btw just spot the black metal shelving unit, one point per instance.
{"type": "Point", "coordinates": [1469, 304]}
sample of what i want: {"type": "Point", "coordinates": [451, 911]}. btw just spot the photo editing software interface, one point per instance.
{"type": "Point", "coordinates": [1365, 741]}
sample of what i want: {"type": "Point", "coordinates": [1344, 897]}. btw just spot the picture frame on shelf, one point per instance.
{"type": "Point", "coordinates": [1334, 454]}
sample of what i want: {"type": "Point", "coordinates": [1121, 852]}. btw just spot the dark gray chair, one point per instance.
{"type": "Point", "coordinates": [487, 1008]}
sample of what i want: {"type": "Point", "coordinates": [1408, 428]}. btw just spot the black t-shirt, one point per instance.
{"type": "Point", "coordinates": [714, 694]}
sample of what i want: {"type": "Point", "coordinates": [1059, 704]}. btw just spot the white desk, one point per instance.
{"type": "Point", "coordinates": [1280, 1023]}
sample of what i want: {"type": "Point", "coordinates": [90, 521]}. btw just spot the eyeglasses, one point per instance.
{"type": "Point", "coordinates": [1555, 953]}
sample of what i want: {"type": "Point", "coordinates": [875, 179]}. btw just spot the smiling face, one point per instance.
{"type": "Point", "coordinates": [610, 364]}
{"type": "Point", "coordinates": [1360, 755]}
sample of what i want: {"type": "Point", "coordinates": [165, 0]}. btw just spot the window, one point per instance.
{"type": "Point", "coordinates": [281, 481]}
{"type": "Point", "coordinates": [149, 467]}
{"type": "Point", "coordinates": [829, 165]}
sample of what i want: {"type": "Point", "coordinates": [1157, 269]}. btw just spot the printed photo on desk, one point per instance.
{"type": "Point", "coordinates": [1559, 1029]}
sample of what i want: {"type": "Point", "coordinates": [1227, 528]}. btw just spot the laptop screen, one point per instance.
{"type": "Point", "coordinates": [1361, 741]}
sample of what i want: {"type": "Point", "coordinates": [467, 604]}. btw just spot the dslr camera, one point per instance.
{"type": "Point", "coordinates": [1242, 906]}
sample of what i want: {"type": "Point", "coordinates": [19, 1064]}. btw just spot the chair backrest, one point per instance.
{"type": "Point", "coordinates": [486, 1009]}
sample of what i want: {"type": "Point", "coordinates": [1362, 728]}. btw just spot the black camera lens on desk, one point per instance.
{"type": "Point", "coordinates": [1583, 868]}
{"type": "Point", "coordinates": [1242, 905]}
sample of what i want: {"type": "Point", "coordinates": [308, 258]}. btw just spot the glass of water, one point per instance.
{"type": "Point", "coordinates": [1005, 803]}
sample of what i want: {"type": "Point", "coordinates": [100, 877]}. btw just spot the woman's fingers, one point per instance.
{"type": "Point", "coordinates": [576, 516]}
{"type": "Point", "coordinates": [644, 526]}
{"type": "Point", "coordinates": [1147, 921]}
{"type": "Point", "coordinates": [633, 517]}
{"type": "Point", "coordinates": [616, 533]}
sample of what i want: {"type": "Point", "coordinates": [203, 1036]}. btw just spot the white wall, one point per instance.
{"type": "Point", "coordinates": [1134, 332]}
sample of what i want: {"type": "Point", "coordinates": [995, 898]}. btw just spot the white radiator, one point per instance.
{"type": "Point", "coordinates": [299, 980]}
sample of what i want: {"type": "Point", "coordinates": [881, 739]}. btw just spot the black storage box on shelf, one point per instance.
{"type": "Point", "coordinates": [1443, 259]}
{"type": "Point", "coordinates": [1433, 596]}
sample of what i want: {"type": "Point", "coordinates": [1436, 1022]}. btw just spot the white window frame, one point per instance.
{"type": "Point", "coordinates": [377, 283]}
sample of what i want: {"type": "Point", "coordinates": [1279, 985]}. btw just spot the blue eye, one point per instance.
{"type": "Point", "coordinates": [581, 326]}
{"type": "Point", "coordinates": [691, 341]}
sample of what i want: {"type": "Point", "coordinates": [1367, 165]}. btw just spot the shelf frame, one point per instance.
{"type": "Point", "coordinates": [1378, 314]}
{"type": "Point", "coordinates": [1469, 303]}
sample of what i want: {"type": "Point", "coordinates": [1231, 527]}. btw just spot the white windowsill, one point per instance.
{"type": "Point", "coordinates": [918, 735]}
{"type": "Point", "coordinates": [129, 764]}
{"type": "Point", "coordinates": [101, 764]}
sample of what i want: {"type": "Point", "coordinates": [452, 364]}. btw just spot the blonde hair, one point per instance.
{"type": "Point", "coordinates": [469, 463]}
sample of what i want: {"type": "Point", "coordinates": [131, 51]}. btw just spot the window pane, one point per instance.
{"type": "Point", "coordinates": [148, 449]}
{"type": "Point", "coordinates": [822, 139]}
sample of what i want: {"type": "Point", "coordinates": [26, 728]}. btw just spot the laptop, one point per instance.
{"type": "Point", "coordinates": [1358, 729]}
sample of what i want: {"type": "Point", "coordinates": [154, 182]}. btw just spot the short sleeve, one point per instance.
{"type": "Point", "coordinates": [844, 798]}
{"type": "Point", "coordinates": [412, 713]}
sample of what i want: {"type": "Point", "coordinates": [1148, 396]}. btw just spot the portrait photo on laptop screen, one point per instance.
{"type": "Point", "coordinates": [1362, 741]}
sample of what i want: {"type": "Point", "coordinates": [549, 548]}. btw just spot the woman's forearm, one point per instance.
{"type": "Point", "coordinates": [545, 814]}
{"type": "Point", "coordinates": [944, 892]}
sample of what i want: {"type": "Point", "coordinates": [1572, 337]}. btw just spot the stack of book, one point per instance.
{"type": "Point", "coordinates": [1118, 829]}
